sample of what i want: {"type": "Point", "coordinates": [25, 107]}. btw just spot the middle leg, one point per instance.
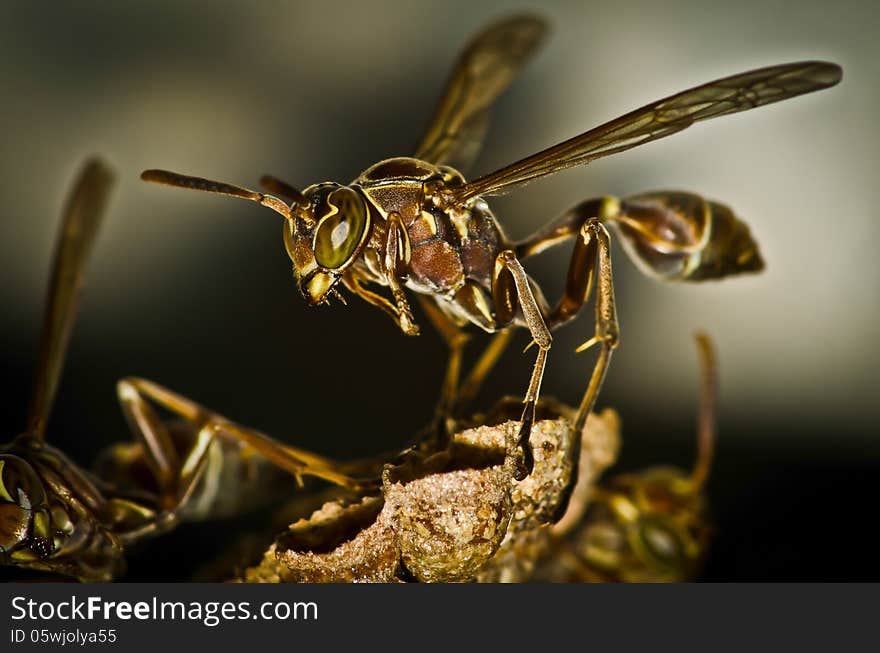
{"type": "Point", "coordinates": [454, 394]}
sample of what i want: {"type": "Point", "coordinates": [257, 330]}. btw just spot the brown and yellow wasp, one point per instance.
{"type": "Point", "coordinates": [56, 516]}
{"type": "Point", "coordinates": [415, 222]}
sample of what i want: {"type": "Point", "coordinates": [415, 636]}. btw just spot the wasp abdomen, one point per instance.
{"type": "Point", "coordinates": [679, 236]}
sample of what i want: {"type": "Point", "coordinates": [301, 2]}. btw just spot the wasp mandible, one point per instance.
{"type": "Point", "coordinates": [416, 223]}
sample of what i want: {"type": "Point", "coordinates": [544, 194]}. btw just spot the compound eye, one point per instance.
{"type": "Point", "coordinates": [19, 483]}
{"type": "Point", "coordinates": [20, 491]}
{"type": "Point", "coordinates": [343, 221]}
{"type": "Point", "coordinates": [660, 544]}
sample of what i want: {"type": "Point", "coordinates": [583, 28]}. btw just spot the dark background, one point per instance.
{"type": "Point", "coordinates": [196, 293]}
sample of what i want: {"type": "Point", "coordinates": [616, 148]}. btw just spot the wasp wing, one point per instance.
{"type": "Point", "coordinates": [486, 67]}
{"type": "Point", "coordinates": [662, 118]}
{"type": "Point", "coordinates": [81, 220]}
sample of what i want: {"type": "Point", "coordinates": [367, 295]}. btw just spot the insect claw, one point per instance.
{"type": "Point", "coordinates": [589, 343]}
{"type": "Point", "coordinates": [338, 295]}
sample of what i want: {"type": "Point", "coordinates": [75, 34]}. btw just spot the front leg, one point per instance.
{"type": "Point", "coordinates": [511, 288]}
{"type": "Point", "coordinates": [395, 263]}
{"type": "Point", "coordinates": [352, 282]}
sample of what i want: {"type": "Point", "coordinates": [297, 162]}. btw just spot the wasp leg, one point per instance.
{"type": "Point", "coordinates": [209, 425]}
{"type": "Point", "coordinates": [148, 522]}
{"type": "Point", "coordinates": [592, 249]}
{"type": "Point", "coordinates": [511, 287]}
{"type": "Point", "coordinates": [591, 256]}
{"type": "Point", "coordinates": [397, 253]}
{"type": "Point", "coordinates": [706, 416]}
{"type": "Point", "coordinates": [397, 257]}
{"type": "Point", "coordinates": [454, 396]}
{"type": "Point", "coordinates": [289, 458]}
{"type": "Point", "coordinates": [566, 226]}
{"type": "Point", "coordinates": [353, 284]}
{"type": "Point", "coordinates": [351, 281]}
{"type": "Point", "coordinates": [160, 453]}
{"type": "Point", "coordinates": [482, 367]}
{"type": "Point", "coordinates": [455, 339]}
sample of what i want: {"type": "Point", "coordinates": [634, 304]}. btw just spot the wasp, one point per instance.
{"type": "Point", "coordinates": [56, 516]}
{"type": "Point", "coordinates": [416, 223]}
{"type": "Point", "coordinates": [647, 526]}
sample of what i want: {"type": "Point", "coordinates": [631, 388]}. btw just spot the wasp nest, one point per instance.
{"type": "Point", "coordinates": [456, 515]}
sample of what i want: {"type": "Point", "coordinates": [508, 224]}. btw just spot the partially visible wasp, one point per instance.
{"type": "Point", "coordinates": [57, 517]}
{"type": "Point", "coordinates": [647, 526]}
{"type": "Point", "coordinates": [416, 222]}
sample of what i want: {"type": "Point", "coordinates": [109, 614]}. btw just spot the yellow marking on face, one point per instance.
{"type": "Point", "coordinates": [334, 209]}
{"type": "Point", "coordinates": [319, 284]}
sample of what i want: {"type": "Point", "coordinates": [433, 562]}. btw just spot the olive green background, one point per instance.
{"type": "Point", "coordinates": [196, 292]}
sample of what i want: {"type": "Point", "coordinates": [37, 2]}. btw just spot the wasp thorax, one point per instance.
{"type": "Point", "coordinates": [343, 222]}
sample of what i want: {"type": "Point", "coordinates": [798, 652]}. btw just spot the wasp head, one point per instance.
{"type": "Point", "coordinates": [26, 532]}
{"type": "Point", "coordinates": [326, 236]}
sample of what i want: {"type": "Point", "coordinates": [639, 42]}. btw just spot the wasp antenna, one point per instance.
{"type": "Point", "coordinates": [275, 185]}
{"type": "Point", "coordinates": [209, 186]}
{"type": "Point", "coordinates": [706, 417]}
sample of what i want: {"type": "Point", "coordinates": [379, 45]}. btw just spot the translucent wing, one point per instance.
{"type": "Point", "coordinates": [662, 118]}
{"type": "Point", "coordinates": [486, 67]}
{"type": "Point", "coordinates": [81, 220]}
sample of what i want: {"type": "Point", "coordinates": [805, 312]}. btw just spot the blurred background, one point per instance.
{"type": "Point", "coordinates": [196, 292]}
